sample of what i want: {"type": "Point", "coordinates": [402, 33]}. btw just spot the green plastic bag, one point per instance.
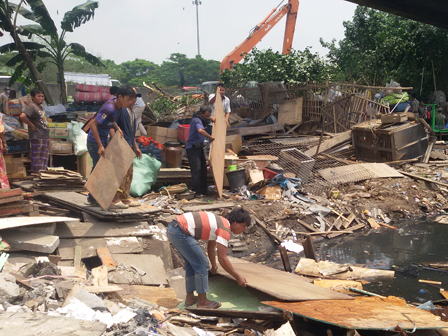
{"type": "Point", "coordinates": [146, 170]}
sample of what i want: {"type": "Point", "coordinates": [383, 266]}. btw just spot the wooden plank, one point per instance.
{"type": "Point", "coordinates": [13, 222]}
{"type": "Point", "coordinates": [254, 315]}
{"type": "Point", "coordinates": [308, 248]}
{"type": "Point", "coordinates": [373, 224]}
{"type": "Point", "coordinates": [99, 276]}
{"type": "Point", "coordinates": [106, 257]}
{"type": "Point", "coordinates": [349, 221]}
{"type": "Point", "coordinates": [104, 289]}
{"type": "Point", "coordinates": [205, 207]}
{"type": "Point", "coordinates": [151, 264]}
{"type": "Point", "coordinates": [77, 257]}
{"type": "Point", "coordinates": [282, 285]}
{"type": "Point", "coordinates": [10, 193]}
{"type": "Point", "coordinates": [90, 246]}
{"type": "Point", "coordinates": [307, 226]}
{"type": "Point", "coordinates": [364, 313]}
{"type": "Point", "coordinates": [423, 178]}
{"type": "Point", "coordinates": [244, 131]}
{"type": "Point", "coordinates": [327, 144]}
{"type": "Point", "coordinates": [218, 146]}
{"type": "Point", "coordinates": [102, 229]}
{"type": "Point", "coordinates": [110, 171]}
{"type": "Point", "coordinates": [35, 242]}
{"type": "Point", "coordinates": [165, 297]}
{"type": "Point", "coordinates": [32, 324]}
{"type": "Point", "coordinates": [11, 199]}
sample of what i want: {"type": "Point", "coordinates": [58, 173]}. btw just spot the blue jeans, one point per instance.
{"type": "Point", "coordinates": [196, 262]}
{"type": "Point", "coordinates": [92, 148]}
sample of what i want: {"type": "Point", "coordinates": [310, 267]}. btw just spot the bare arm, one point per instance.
{"type": "Point", "coordinates": [4, 145]}
{"type": "Point", "coordinates": [204, 133]}
{"type": "Point", "coordinates": [138, 152]}
{"type": "Point", "coordinates": [227, 266]}
{"type": "Point", "coordinates": [227, 120]}
{"type": "Point", "coordinates": [27, 121]}
{"type": "Point", "coordinates": [211, 255]}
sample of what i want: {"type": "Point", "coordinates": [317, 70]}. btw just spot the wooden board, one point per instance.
{"type": "Point", "coordinates": [364, 313]}
{"type": "Point", "coordinates": [90, 245]}
{"type": "Point", "coordinates": [110, 171]}
{"type": "Point", "coordinates": [282, 285]}
{"type": "Point", "coordinates": [165, 297]}
{"type": "Point", "coordinates": [78, 203]}
{"type": "Point", "coordinates": [255, 315]}
{"type": "Point", "coordinates": [327, 144]}
{"type": "Point", "coordinates": [218, 146]}
{"type": "Point", "coordinates": [244, 131]}
{"type": "Point", "coordinates": [290, 111]}
{"type": "Point", "coordinates": [13, 222]}
{"type": "Point", "coordinates": [151, 264]}
{"type": "Point", "coordinates": [205, 207]}
{"type": "Point", "coordinates": [101, 229]}
{"type": "Point", "coordinates": [29, 324]}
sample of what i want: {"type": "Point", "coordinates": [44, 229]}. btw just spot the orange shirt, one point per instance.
{"type": "Point", "coordinates": [206, 226]}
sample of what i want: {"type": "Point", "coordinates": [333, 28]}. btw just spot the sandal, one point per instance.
{"type": "Point", "coordinates": [119, 205]}
{"type": "Point", "coordinates": [213, 305]}
{"type": "Point", "coordinates": [191, 304]}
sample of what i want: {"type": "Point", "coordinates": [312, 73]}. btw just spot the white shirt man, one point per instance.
{"type": "Point", "coordinates": [225, 103]}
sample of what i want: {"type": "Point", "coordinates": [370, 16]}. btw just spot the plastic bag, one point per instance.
{"type": "Point", "coordinates": [146, 170]}
{"type": "Point", "coordinates": [78, 137]}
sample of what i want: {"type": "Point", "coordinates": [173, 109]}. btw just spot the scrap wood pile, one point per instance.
{"type": "Point", "coordinates": [58, 179]}
{"type": "Point", "coordinates": [180, 110]}
{"type": "Point", "coordinates": [12, 203]}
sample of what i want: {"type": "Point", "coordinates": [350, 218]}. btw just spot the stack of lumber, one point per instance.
{"type": "Point", "coordinates": [58, 179]}
{"type": "Point", "coordinates": [12, 203]}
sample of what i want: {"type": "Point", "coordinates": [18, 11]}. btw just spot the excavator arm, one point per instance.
{"type": "Point", "coordinates": [255, 36]}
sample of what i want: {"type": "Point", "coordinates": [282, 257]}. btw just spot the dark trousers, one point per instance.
{"type": "Point", "coordinates": [198, 167]}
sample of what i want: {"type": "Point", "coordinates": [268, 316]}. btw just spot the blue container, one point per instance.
{"type": "Point", "coordinates": [401, 107]}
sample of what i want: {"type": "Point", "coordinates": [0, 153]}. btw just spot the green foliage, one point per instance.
{"type": "Point", "coordinates": [163, 104]}
{"type": "Point", "coordinates": [379, 47]}
{"type": "Point", "coordinates": [270, 66]}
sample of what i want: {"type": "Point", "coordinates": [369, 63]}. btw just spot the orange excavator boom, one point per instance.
{"type": "Point", "coordinates": [255, 36]}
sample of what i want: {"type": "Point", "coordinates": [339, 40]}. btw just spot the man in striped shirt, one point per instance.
{"type": "Point", "coordinates": [184, 233]}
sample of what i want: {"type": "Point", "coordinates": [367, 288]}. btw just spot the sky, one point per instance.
{"type": "Point", "coordinates": [123, 30]}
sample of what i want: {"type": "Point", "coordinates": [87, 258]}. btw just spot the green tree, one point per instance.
{"type": "Point", "coordinates": [138, 71]}
{"type": "Point", "coordinates": [196, 70]}
{"type": "Point", "coordinates": [57, 50]}
{"type": "Point", "coordinates": [270, 66]}
{"type": "Point", "coordinates": [25, 58]}
{"type": "Point", "coordinates": [378, 47]}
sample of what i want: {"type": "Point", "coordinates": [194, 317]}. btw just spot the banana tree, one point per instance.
{"type": "Point", "coordinates": [55, 47]}
{"type": "Point", "coordinates": [9, 10]}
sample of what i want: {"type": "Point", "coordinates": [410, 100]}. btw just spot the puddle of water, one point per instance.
{"type": "Point", "coordinates": [416, 242]}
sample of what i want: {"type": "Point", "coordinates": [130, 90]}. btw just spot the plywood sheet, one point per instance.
{"type": "Point", "coordinates": [110, 171]}
{"type": "Point", "coordinates": [89, 246]}
{"type": "Point", "coordinates": [151, 264]}
{"type": "Point", "coordinates": [13, 222]}
{"type": "Point", "coordinates": [101, 229]}
{"type": "Point", "coordinates": [165, 297]}
{"type": "Point", "coordinates": [327, 144]}
{"type": "Point", "coordinates": [364, 313]}
{"type": "Point", "coordinates": [28, 324]}
{"type": "Point", "coordinates": [282, 285]}
{"type": "Point", "coordinates": [218, 146]}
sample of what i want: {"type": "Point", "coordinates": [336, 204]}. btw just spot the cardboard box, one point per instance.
{"type": "Point", "coordinates": [57, 125]}
{"type": "Point", "coordinates": [234, 142]}
{"type": "Point", "coordinates": [85, 164]}
{"type": "Point", "coordinates": [58, 133]}
{"type": "Point", "coordinates": [61, 147]}
{"type": "Point", "coordinates": [162, 134]}
{"type": "Point", "coordinates": [11, 121]}
{"type": "Point", "coordinates": [290, 111]}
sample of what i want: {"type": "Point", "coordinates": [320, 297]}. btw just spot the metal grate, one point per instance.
{"type": "Point", "coordinates": [301, 165]}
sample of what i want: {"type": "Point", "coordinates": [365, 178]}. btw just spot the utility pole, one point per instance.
{"type": "Point", "coordinates": [197, 3]}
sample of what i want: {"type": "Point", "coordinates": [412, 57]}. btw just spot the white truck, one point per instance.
{"type": "Point", "coordinates": [90, 79]}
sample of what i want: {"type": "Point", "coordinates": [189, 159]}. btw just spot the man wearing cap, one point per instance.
{"type": "Point", "coordinates": [3, 95]}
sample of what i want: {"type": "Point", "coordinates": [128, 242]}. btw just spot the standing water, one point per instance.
{"type": "Point", "coordinates": [408, 251]}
